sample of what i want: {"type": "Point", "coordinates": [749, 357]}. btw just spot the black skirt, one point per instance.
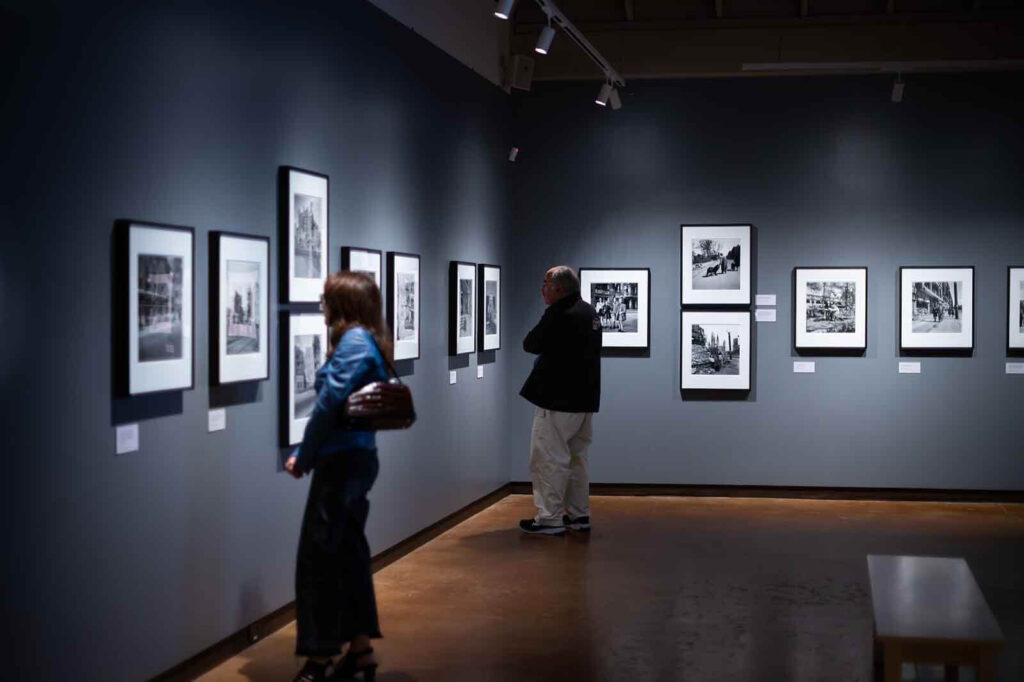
{"type": "Point", "coordinates": [334, 596]}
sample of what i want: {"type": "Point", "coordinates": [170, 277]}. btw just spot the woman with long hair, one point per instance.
{"type": "Point", "coordinates": [334, 596]}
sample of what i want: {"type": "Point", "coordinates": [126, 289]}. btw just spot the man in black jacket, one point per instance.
{"type": "Point", "coordinates": [565, 387]}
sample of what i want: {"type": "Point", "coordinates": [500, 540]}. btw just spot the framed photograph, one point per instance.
{"type": "Point", "coordinates": [156, 307]}
{"type": "Point", "coordinates": [937, 308]}
{"type": "Point", "coordinates": [239, 308]}
{"type": "Point", "coordinates": [715, 263]}
{"type": "Point", "coordinates": [304, 342]}
{"type": "Point", "coordinates": [715, 351]}
{"type": "Point", "coordinates": [489, 308]}
{"type": "Point", "coordinates": [305, 215]}
{"type": "Point", "coordinates": [403, 308]}
{"type": "Point", "coordinates": [461, 307]}
{"type": "Point", "coordinates": [830, 308]}
{"type": "Point", "coordinates": [1015, 322]}
{"type": "Point", "coordinates": [368, 261]}
{"type": "Point", "coordinates": [622, 299]}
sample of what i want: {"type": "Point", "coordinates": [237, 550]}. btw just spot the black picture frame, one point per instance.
{"type": "Point", "coordinates": [215, 321]}
{"type": "Point", "coordinates": [346, 261]}
{"type": "Point", "coordinates": [691, 302]}
{"type": "Point", "coordinates": [288, 321]}
{"type": "Point", "coordinates": [841, 350]}
{"type": "Point", "coordinates": [286, 290]}
{"type": "Point", "coordinates": [624, 350]}
{"type": "Point", "coordinates": [1012, 350]}
{"type": "Point", "coordinates": [717, 393]}
{"type": "Point", "coordinates": [453, 307]}
{"type": "Point", "coordinates": [393, 291]}
{"type": "Point", "coordinates": [482, 305]}
{"type": "Point", "coordinates": [966, 350]}
{"type": "Point", "coordinates": [123, 290]}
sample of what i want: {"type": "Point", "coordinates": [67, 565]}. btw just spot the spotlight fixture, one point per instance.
{"type": "Point", "coordinates": [604, 94]}
{"type": "Point", "coordinates": [504, 8]}
{"type": "Point", "coordinates": [897, 89]}
{"type": "Point", "coordinates": [513, 153]}
{"type": "Point", "coordinates": [614, 100]}
{"type": "Point", "coordinates": [547, 34]}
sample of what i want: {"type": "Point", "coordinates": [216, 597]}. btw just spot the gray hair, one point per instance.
{"type": "Point", "coordinates": [565, 277]}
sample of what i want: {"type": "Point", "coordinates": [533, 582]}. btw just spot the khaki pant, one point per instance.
{"type": "Point", "coordinates": [558, 464]}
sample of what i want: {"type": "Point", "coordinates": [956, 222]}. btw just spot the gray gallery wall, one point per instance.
{"type": "Point", "coordinates": [120, 567]}
{"type": "Point", "coordinates": [831, 173]}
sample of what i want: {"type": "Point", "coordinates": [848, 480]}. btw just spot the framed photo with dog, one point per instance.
{"type": "Point", "coordinates": [715, 264]}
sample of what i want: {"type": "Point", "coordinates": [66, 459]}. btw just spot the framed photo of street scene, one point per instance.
{"type": "Point", "coordinates": [715, 264]}
{"type": "Point", "coordinates": [366, 261]}
{"type": "Point", "coordinates": [304, 349]}
{"type": "Point", "coordinates": [830, 308]}
{"type": "Point", "coordinates": [156, 307]}
{"type": "Point", "coordinates": [305, 215]}
{"type": "Point", "coordinates": [403, 304]}
{"type": "Point", "coordinates": [1015, 322]}
{"type": "Point", "coordinates": [937, 309]}
{"type": "Point", "coordinates": [716, 351]}
{"type": "Point", "coordinates": [461, 307]}
{"type": "Point", "coordinates": [622, 299]}
{"type": "Point", "coordinates": [239, 308]}
{"type": "Point", "coordinates": [489, 307]}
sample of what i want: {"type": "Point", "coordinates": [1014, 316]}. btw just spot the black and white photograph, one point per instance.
{"type": "Point", "coordinates": [1015, 320]}
{"type": "Point", "coordinates": [715, 350]}
{"type": "Point", "coordinates": [240, 302]}
{"type": "Point", "coordinates": [830, 308]}
{"type": "Point", "coordinates": [622, 299]}
{"type": "Point", "coordinates": [304, 230]}
{"type": "Point", "coordinates": [304, 337]}
{"type": "Point", "coordinates": [366, 261]}
{"type": "Point", "coordinates": [403, 304]}
{"type": "Point", "coordinates": [161, 307]}
{"type": "Point", "coordinates": [715, 264]}
{"type": "Point", "coordinates": [489, 308]}
{"type": "Point", "coordinates": [462, 330]}
{"type": "Point", "coordinates": [156, 309]}
{"type": "Point", "coordinates": [937, 308]}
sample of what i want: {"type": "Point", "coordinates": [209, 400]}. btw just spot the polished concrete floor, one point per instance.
{"type": "Point", "coordinates": [669, 588]}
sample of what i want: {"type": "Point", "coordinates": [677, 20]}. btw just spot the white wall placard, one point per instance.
{"type": "Point", "coordinates": [1015, 368]}
{"type": "Point", "coordinates": [127, 438]}
{"type": "Point", "coordinates": [803, 368]}
{"type": "Point", "coordinates": [479, 371]}
{"type": "Point", "coordinates": [910, 368]}
{"type": "Point", "coordinates": [765, 314]}
{"type": "Point", "coordinates": [217, 420]}
{"type": "Point", "coordinates": [765, 299]}
{"type": "Point", "coordinates": [451, 377]}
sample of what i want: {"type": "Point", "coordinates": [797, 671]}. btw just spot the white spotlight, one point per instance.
{"type": "Point", "coordinates": [602, 97]}
{"type": "Point", "coordinates": [504, 8]}
{"type": "Point", "coordinates": [614, 100]}
{"type": "Point", "coordinates": [547, 34]}
{"type": "Point", "coordinates": [897, 90]}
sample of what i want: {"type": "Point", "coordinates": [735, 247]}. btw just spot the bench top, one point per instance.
{"type": "Point", "coordinates": [929, 598]}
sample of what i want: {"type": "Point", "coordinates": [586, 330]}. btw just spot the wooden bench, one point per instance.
{"type": "Point", "coordinates": [930, 610]}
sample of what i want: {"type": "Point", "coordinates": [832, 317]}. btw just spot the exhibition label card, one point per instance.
{"type": "Point", "coordinates": [1015, 368]}
{"type": "Point", "coordinates": [765, 315]}
{"type": "Point", "coordinates": [803, 368]}
{"type": "Point", "coordinates": [451, 377]}
{"type": "Point", "coordinates": [479, 371]}
{"type": "Point", "coordinates": [127, 438]}
{"type": "Point", "coordinates": [766, 299]}
{"type": "Point", "coordinates": [217, 420]}
{"type": "Point", "coordinates": [910, 368]}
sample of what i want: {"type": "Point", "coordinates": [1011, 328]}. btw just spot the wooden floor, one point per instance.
{"type": "Point", "coordinates": [669, 588]}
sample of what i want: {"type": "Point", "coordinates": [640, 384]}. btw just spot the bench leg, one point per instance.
{"type": "Point", "coordinates": [952, 673]}
{"type": "Point", "coordinates": [893, 662]}
{"type": "Point", "coordinates": [986, 665]}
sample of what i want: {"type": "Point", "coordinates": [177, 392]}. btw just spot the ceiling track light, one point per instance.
{"type": "Point", "coordinates": [504, 9]}
{"type": "Point", "coordinates": [547, 34]}
{"type": "Point", "coordinates": [897, 89]}
{"type": "Point", "coordinates": [613, 99]}
{"type": "Point", "coordinates": [604, 94]}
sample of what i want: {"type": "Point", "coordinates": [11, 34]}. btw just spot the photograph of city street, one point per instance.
{"type": "Point", "coordinates": [160, 308]}
{"type": "Point", "coordinates": [616, 304]}
{"type": "Point", "coordinates": [831, 307]}
{"type": "Point", "coordinates": [406, 325]}
{"type": "Point", "coordinates": [490, 307]}
{"type": "Point", "coordinates": [242, 316]}
{"type": "Point", "coordinates": [308, 234]}
{"type": "Point", "coordinates": [465, 308]}
{"type": "Point", "coordinates": [716, 264]}
{"type": "Point", "coordinates": [715, 349]}
{"type": "Point", "coordinates": [938, 307]}
{"type": "Point", "coordinates": [308, 357]}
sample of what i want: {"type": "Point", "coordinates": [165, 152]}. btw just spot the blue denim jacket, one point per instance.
{"type": "Point", "coordinates": [356, 362]}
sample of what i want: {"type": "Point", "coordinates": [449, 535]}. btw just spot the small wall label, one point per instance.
{"type": "Point", "coordinates": [803, 368]}
{"type": "Point", "coordinates": [127, 438]}
{"type": "Point", "coordinates": [217, 420]}
{"type": "Point", "coordinates": [910, 368]}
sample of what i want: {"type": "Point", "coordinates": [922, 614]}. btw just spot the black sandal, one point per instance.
{"type": "Point", "coordinates": [348, 667]}
{"type": "Point", "coordinates": [313, 672]}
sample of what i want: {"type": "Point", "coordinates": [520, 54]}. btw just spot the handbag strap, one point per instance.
{"type": "Point", "coordinates": [383, 357]}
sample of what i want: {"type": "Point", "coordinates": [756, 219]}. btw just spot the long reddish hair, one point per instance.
{"type": "Point", "coordinates": [352, 299]}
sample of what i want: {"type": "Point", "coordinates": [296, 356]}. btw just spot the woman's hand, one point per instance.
{"type": "Point", "coordinates": [289, 466]}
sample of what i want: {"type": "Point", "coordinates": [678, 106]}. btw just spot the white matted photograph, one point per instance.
{"type": "Point", "coordinates": [489, 308]}
{"type": "Point", "coordinates": [403, 307]}
{"type": "Point", "coordinates": [305, 339]}
{"type": "Point", "coordinates": [240, 269]}
{"type": "Point", "coordinates": [715, 264]}
{"type": "Point", "coordinates": [366, 261]}
{"type": "Point", "coordinates": [830, 308]}
{"type": "Point", "coordinates": [462, 308]}
{"type": "Point", "coordinates": [622, 299]}
{"type": "Point", "coordinates": [1015, 321]}
{"type": "Point", "coordinates": [937, 308]}
{"type": "Point", "coordinates": [716, 351]}
{"type": "Point", "coordinates": [159, 308]}
{"type": "Point", "coordinates": [305, 226]}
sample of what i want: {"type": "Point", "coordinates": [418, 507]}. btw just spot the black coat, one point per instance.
{"type": "Point", "coordinates": [567, 375]}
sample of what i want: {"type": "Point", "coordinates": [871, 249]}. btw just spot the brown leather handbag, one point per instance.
{"type": "Point", "coordinates": [380, 405]}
